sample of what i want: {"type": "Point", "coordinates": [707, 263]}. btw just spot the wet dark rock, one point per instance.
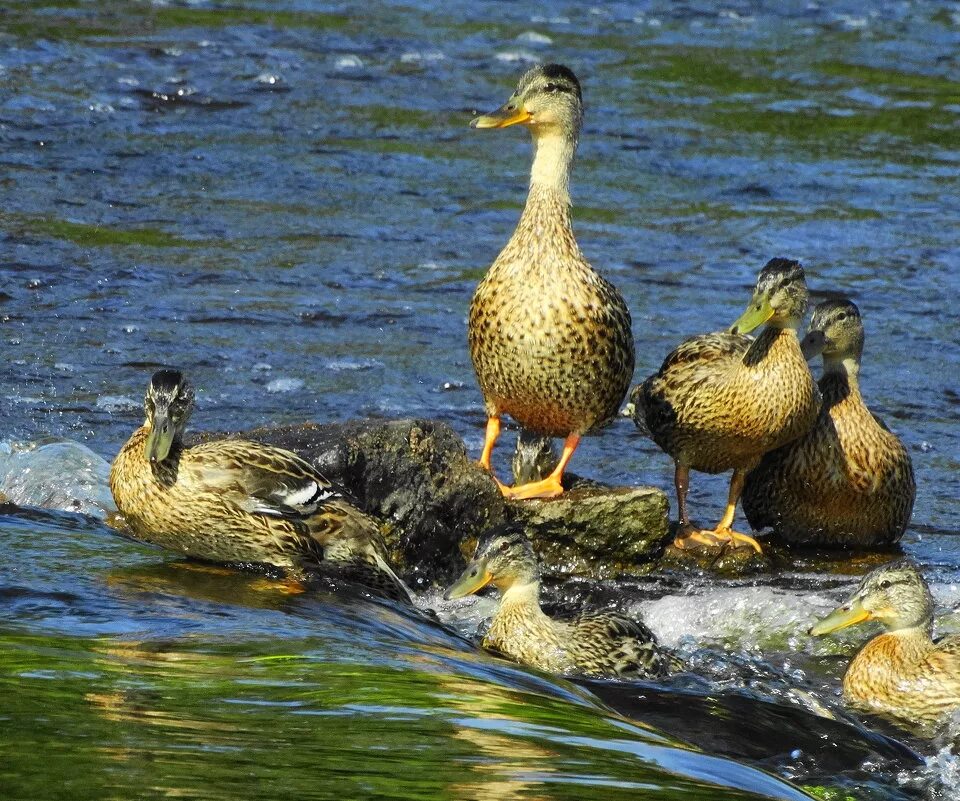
{"type": "Point", "coordinates": [724, 561]}
{"type": "Point", "coordinates": [417, 475]}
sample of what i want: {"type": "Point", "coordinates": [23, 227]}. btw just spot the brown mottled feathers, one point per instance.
{"type": "Point", "coordinates": [551, 340]}
{"type": "Point", "coordinates": [721, 400]}
{"type": "Point", "coordinates": [849, 481]}
{"type": "Point", "coordinates": [242, 502]}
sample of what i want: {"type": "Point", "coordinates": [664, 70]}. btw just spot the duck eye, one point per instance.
{"type": "Point", "coordinates": [553, 87]}
{"type": "Point", "coordinates": [842, 316]}
{"type": "Point", "coordinates": [885, 584]}
{"type": "Point", "coordinates": [503, 547]}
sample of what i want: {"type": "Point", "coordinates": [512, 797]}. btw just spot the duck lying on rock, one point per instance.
{"type": "Point", "coordinates": [901, 673]}
{"type": "Point", "coordinates": [239, 501]}
{"type": "Point", "coordinates": [591, 644]}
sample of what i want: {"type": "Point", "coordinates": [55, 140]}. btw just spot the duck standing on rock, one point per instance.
{"type": "Point", "coordinates": [849, 480]}
{"type": "Point", "coordinates": [901, 673]}
{"type": "Point", "coordinates": [240, 501]}
{"type": "Point", "coordinates": [722, 400]}
{"type": "Point", "coordinates": [550, 339]}
{"type": "Point", "coordinates": [592, 644]}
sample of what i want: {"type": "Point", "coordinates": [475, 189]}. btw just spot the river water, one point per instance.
{"type": "Point", "coordinates": [285, 200]}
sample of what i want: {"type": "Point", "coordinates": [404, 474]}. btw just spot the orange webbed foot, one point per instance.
{"type": "Point", "coordinates": [550, 487]}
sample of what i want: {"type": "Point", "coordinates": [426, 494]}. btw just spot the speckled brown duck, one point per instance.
{"type": "Point", "coordinates": [901, 673]}
{"type": "Point", "coordinates": [238, 501]}
{"type": "Point", "coordinates": [722, 400]}
{"type": "Point", "coordinates": [849, 480]}
{"type": "Point", "coordinates": [591, 644]}
{"type": "Point", "coordinates": [550, 339]}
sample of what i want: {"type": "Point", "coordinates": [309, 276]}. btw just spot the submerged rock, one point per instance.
{"type": "Point", "coordinates": [417, 475]}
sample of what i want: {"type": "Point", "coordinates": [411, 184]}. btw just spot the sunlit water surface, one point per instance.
{"type": "Point", "coordinates": [285, 200]}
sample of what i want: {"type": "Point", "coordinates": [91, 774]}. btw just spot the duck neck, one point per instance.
{"type": "Point", "coordinates": [519, 601]}
{"type": "Point", "coordinates": [544, 236]}
{"type": "Point", "coordinates": [774, 340]}
{"type": "Point", "coordinates": [840, 380]}
{"type": "Point", "coordinates": [552, 157]}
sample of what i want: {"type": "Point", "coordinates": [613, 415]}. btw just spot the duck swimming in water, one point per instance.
{"type": "Point", "coordinates": [550, 339]}
{"type": "Point", "coordinates": [591, 644]}
{"type": "Point", "coordinates": [901, 673]}
{"type": "Point", "coordinates": [239, 501]}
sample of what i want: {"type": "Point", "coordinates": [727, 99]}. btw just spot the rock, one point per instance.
{"type": "Point", "coordinates": [722, 560]}
{"type": "Point", "coordinates": [596, 530]}
{"type": "Point", "coordinates": [417, 475]}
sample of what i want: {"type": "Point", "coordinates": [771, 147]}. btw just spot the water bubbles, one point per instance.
{"type": "Point", "coordinates": [261, 367]}
{"type": "Point", "coordinates": [534, 38]}
{"type": "Point", "coordinates": [348, 62]}
{"type": "Point", "coordinates": [517, 56]}
{"type": "Point", "coordinates": [284, 385]}
{"type": "Point", "coordinates": [268, 79]}
{"type": "Point", "coordinates": [64, 367]}
{"type": "Point", "coordinates": [417, 57]}
{"type": "Point", "coordinates": [117, 403]}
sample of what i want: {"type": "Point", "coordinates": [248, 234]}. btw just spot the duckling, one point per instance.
{"type": "Point", "coordinates": [847, 481]}
{"type": "Point", "coordinates": [550, 339]}
{"type": "Point", "coordinates": [239, 501]}
{"type": "Point", "coordinates": [592, 644]}
{"type": "Point", "coordinates": [901, 673]}
{"type": "Point", "coordinates": [722, 400]}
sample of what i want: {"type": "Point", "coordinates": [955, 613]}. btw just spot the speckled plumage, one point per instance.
{"type": "Point", "coordinates": [721, 400]}
{"type": "Point", "coordinates": [550, 339]}
{"type": "Point", "coordinates": [902, 673]}
{"type": "Point", "coordinates": [849, 480]}
{"type": "Point", "coordinates": [243, 502]}
{"type": "Point", "coordinates": [590, 644]}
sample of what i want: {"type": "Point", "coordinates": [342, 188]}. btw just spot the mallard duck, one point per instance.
{"type": "Point", "coordinates": [239, 501]}
{"type": "Point", "coordinates": [550, 339]}
{"type": "Point", "coordinates": [533, 459]}
{"type": "Point", "coordinates": [847, 481]}
{"type": "Point", "coordinates": [720, 401]}
{"type": "Point", "coordinates": [592, 644]}
{"type": "Point", "coordinates": [901, 673]}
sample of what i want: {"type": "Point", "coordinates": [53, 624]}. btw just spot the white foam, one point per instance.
{"type": "Point", "coordinates": [284, 385]}
{"type": "Point", "coordinates": [117, 403]}
{"type": "Point", "coordinates": [514, 56]}
{"type": "Point", "coordinates": [534, 38]}
{"type": "Point", "coordinates": [56, 474]}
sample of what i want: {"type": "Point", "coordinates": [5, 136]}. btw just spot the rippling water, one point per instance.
{"type": "Point", "coordinates": [285, 200]}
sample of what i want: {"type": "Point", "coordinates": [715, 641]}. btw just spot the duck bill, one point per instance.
{"type": "Point", "coordinates": [757, 313]}
{"type": "Point", "coordinates": [814, 343]}
{"type": "Point", "coordinates": [474, 578]}
{"type": "Point", "coordinates": [848, 615]}
{"type": "Point", "coordinates": [160, 439]}
{"type": "Point", "coordinates": [503, 117]}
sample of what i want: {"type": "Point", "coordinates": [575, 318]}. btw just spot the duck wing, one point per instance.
{"type": "Point", "coordinates": [271, 481]}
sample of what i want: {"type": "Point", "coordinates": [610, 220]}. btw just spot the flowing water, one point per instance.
{"type": "Point", "coordinates": [285, 200]}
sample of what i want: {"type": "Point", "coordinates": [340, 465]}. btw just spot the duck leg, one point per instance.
{"type": "Point", "coordinates": [550, 486]}
{"type": "Point", "coordinates": [723, 534]}
{"type": "Point", "coordinates": [493, 431]}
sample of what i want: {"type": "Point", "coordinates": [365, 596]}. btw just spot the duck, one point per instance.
{"type": "Point", "coordinates": [849, 480]}
{"type": "Point", "coordinates": [596, 644]}
{"type": "Point", "coordinates": [550, 339]}
{"type": "Point", "coordinates": [240, 502]}
{"type": "Point", "coordinates": [902, 673]}
{"type": "Point", "coordinates": [534, 457]}
{"type": "Point", "coordinates": [720, 401]}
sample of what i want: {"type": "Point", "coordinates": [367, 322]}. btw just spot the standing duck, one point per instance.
{"type": "Point", "coordinates": [849, 480]}
{"type": "Point", "coordinates": [901, 673]}
{"type": "Point", "coordinates": [550, 339]}
{"type": "Point", "coordinates": [720, 401]}
{"type": "Point", "coordinates": [239, 501]}
{"type": "Point", "coordinates": [591, 644]}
